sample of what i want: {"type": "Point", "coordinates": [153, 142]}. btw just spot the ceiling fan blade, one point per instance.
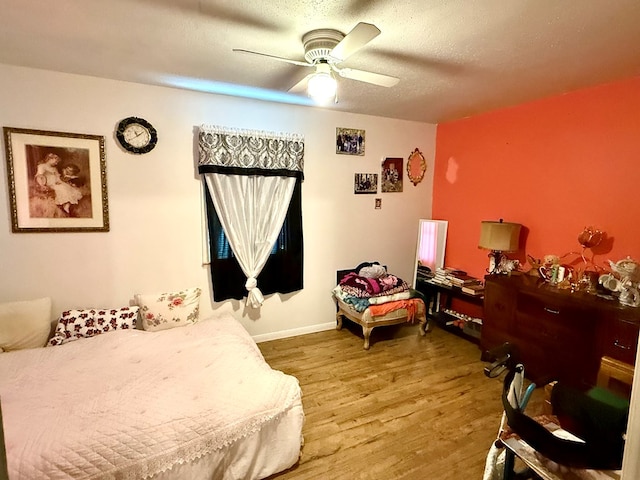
{"type": "Point", "coordinates": [357, 38]}
{"type": "Point", "coordinates": [280, 59]}
{"type": "Point", "coordinates": [368, 77]}
{"type": "Point", "coordinates": [301, 86]}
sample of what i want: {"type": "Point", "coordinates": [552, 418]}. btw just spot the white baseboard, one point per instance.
{"type": "Point", "coordinates": [294, 332]}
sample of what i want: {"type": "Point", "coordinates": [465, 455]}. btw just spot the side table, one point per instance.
{"type": "Point", "coordinates": [439, 302]}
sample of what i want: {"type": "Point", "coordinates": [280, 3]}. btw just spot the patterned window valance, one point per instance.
{"type": "Point", "coordinates": [248, 152]}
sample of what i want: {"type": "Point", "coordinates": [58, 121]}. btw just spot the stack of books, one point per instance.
{"type": "Point", "coordinates": [452, 277]}
{"type": "Point", "coordinates": [448, 276]}
{"type": "Point", "coordinates": [441, 277]}
{"type": "Point", "coordinates": [462, 280]}
{"type": "Point", "coordinates": [475, 289]}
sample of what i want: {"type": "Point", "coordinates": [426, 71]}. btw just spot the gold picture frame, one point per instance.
{"type": "Point", "coordinates": [57, 181]}
{"type": "Point", "coordinates": [416, 167]}
{"type": "Point", "coordinates": [350, 141]}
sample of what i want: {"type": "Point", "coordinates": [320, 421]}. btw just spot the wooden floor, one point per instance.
{"type": "Point", "coordinates": [411, 407]}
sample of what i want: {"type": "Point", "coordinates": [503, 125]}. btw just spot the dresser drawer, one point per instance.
{"type": "Point", "coordinates": [552, 323]}
{"type": "Point", "coordinates": [619, 340]}
{"type": "Point", "coordinates": [499, 306]}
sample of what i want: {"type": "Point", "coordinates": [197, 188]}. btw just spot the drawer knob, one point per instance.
{"type": "Point", "coordinates": [551, 310]}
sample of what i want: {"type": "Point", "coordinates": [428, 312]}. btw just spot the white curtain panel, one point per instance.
{"type": "Point", "coordinates": [251, 176]}
{"type": "Point", "coordinates": [252, 210]}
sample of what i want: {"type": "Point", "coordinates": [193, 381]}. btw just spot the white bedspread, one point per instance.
{"type": "Point", "coordinates": [130, 404]}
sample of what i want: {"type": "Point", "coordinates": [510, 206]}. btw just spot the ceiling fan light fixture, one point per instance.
{"type": "Point", "coordinates": [322, 87]}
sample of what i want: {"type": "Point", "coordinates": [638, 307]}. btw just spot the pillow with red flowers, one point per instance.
{"type": "Point", "coordinates": [160, 311]}
{"type": "Point", "coordinates": [75, 324]}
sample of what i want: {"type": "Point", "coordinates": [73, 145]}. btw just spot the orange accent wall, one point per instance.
{"type": "Point", "coordinates": [555, 166]}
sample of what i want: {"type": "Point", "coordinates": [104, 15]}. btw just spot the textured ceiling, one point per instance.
{"type": "Point", "coordinates": [454, 58]}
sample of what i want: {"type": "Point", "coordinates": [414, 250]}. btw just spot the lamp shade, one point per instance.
{"type": "Point", "coordinates": [500, 236]}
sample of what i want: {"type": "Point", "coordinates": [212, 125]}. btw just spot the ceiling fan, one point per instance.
{"type": "Point", "coordinates": [324, 50]}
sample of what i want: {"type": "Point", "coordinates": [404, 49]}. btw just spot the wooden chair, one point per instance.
{"type": "Point", "coordinates": [615, 376]}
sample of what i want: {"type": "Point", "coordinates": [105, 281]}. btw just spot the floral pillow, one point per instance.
{"type": "Point", "coordinates": [75, 324]}
{"type": "Point", "coordinates": [161, 311]}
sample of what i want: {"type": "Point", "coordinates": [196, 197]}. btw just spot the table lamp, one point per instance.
{"type": "Point", "coordinates": [499, 237]}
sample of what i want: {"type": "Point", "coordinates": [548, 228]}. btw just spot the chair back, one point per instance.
{"type": "Point", "coordinates": [615, 376]}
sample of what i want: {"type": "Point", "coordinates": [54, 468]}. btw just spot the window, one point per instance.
{"type": "Point", "coordinates": [283, 271]}
{"type": "Point", "coordinates": [223, 249]}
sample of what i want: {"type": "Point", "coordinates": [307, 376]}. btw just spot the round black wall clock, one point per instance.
{"type": "Point", "coordinates": [136, 135]}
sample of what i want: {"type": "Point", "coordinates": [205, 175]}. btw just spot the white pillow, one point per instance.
{"type": "Point", "coordinates": [75, 324]}
{"type": "Point", "coordinates": [25, 324]}
{"type": "Point", "coordinates": [373, 271]}
{"type": "Point", "coordinates": [160, 311]}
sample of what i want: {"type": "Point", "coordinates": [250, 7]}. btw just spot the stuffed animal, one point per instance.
{"type": "Point", "coordinates": [543, 267]}
{"type": "Point", "coordinates": [550, 260]}
{"type": "Point", "coordinates": [508, 265]}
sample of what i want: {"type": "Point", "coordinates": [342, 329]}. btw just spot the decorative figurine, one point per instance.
{"type": "Point", "coordinates": [625, 279]}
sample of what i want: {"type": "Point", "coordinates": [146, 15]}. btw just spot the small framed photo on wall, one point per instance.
{"type": "Point", "coordinates": [365, 183]}
{"type": "Point", "coordinates": [57, 181]}
{"type": "Point", "coordinates": [350, 141]}
{"type": "Point", "coordinates": [391, 175]}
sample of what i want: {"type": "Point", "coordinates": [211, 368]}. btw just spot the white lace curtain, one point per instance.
{"type": "Point", "coordinates": [250, 176]}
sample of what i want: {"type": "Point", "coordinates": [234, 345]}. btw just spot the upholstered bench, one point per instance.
{"type": "Point", "coordinates": [368, 321]}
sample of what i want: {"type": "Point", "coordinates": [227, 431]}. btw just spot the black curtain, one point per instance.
{"type": "Point", "coordinates": [283, 271]}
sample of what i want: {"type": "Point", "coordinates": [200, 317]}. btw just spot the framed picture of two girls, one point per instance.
{"type": "Point", "coordinates": [57, 181]}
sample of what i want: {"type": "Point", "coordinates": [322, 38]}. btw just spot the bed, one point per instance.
{"type": "Point", "coordinates": [370, 297]}
{"type": "Point", "coordinates": [194, 402]}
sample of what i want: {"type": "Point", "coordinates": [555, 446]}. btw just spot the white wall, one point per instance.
{"type": "Point", "coordinates": [155, 241]}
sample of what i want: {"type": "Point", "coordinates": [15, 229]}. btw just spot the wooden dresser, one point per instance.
{"type": "Point", "coordinates": [558, 335]}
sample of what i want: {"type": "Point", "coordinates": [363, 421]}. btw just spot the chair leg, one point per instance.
{"type": "Point", "coordinates": [423, 326]}
{"type": "Point", "coordinates": [366, 331]}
